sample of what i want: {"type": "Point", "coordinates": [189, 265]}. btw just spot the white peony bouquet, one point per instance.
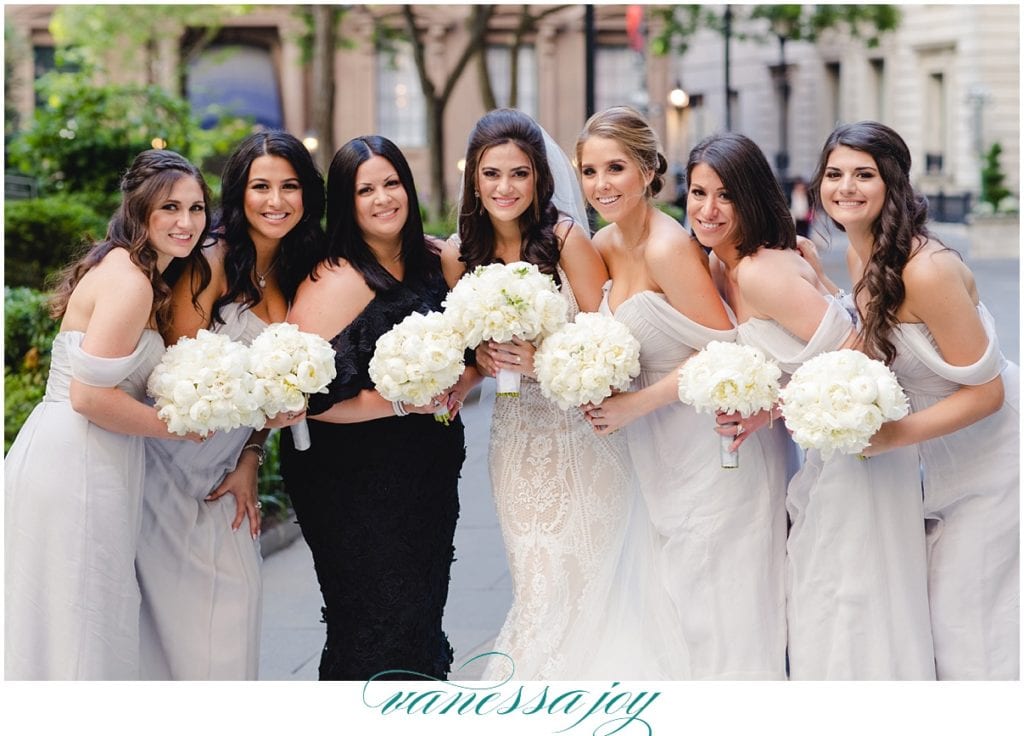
{"type": "Point", "coordinates": [729, 377]}
{"type": "Point", "coordinates": [417, 359]}
{"type": "Point", "coordinates": [501, 301]}
{"type": "Point", "coordinates": [288, 365]}
{"type": "Point", "coordinates": [836, 401]}
{"type": "Point", "coordinates": [203, 384]}
{"type": "Point", "coordinates": [585, 360]}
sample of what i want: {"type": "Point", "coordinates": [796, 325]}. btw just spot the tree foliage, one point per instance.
{"type": "Point", "coordinates": [680, 23]}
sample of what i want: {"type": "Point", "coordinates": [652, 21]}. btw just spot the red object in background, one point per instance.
{"type": "Point", "coordinates": [634, 26]}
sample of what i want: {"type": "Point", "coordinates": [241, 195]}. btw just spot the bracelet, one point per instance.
{"type": "Point", "coordinates": [399, 409]}
{"type": "Point", "coordinates": [261, 454]}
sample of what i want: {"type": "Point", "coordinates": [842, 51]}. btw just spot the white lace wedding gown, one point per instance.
{"type": "Point", "coordinates": [200, 580]}
{"type": "Point", "coordinates": [565, 499]}
{"type": "Point", "coordinates": [72, 504]}
{"type": "Point", "coordinates": [857, 604]}
{"type": "Point", "coordinates": [972, 510]}
{"type": "Point", "coordinates": [723, 530]}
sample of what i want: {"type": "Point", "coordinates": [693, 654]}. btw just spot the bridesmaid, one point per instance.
{"type": "Point", "coordinates": [921, 313]}
{"type": "Point", "coordinates": [724, 530]}
{"type": "Point", "coordinates": [376, 494]}
{"type": "Point", "coordinates": [73, 477]}
{"type": "Point", "coordinates": [856, 601]}
{"type": "Point", "coordinates": [200, 580]}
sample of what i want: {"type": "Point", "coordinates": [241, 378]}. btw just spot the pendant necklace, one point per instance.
{"type": "Point", "coordinates": [261, 278]}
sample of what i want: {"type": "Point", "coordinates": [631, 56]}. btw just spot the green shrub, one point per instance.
{"type": "Point", "coordinates": [992, 177]}
{"type": "Point", "coordinates": [271, 488]}
{"type": "Point", "coordinates": [43, 235]}
{"type": "Point", "coordinates": [22, 391]}
{"type": "Point", "coordinates": [28, 329]}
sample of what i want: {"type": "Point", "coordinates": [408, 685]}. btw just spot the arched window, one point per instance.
{"type": "Point", "coordinates": [236, 79]}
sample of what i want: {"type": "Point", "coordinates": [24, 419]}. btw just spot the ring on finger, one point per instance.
{"type": "Point", "coordinates": [259, 504]}
{"type": "Point", "coordinates": [739, 429]}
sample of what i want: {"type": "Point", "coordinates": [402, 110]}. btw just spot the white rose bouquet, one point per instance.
{"type": "Point", "coordinates": [417, 359]}
{"type": "Point", "coordinates": [288, 365]}
{"type": "Point", "coordinates": [586, 360]}
{"type": "Point", "coordinates": [836, 401]}
{"type": "Point", "coordinates": [501, 301]}
{"type": "Point", "coordinates": [203, 384]}
{"type": "Point", "coordinates": [729, 377]}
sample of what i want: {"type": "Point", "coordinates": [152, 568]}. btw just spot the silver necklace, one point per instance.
{"type": "Point", "coordinates": [261, 278]}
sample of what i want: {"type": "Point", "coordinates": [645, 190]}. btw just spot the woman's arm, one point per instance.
{"type": "Point", "coordinates": [584, 267]}
{"type": "Point", "coordinates": [327, 306]}
{"type": "Point", "coordinates": [122, 303]}
{"type": "Point", "coordinates": [938, 294]}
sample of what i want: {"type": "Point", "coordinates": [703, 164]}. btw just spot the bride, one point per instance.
{"type": "Point", "coordinates": [564, 496]}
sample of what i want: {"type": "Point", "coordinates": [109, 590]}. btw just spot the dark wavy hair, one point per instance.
{"type": "Point", "coordinates": [540, 244]}
{"type": "Point", "coordinates": [144, 186]}
{"type": "Point", "coordinates": [632, 131]}
{"type": "Point", "coordinates": [344, 237]}
{"type": "Point", "coordinates": [763, 217]}
{"type": "Point", "coordinates": [898, 232]}
{"type": "Point", "coordinates": [299, 247]}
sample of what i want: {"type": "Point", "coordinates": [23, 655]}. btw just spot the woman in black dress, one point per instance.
{"type": "Point", "coordinates": [376, 495]}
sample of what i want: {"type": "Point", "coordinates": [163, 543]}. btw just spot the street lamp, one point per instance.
{"type": "Point", "coordinates": [782, 27]}
{"type": "Point", "coordinates": [679, 100]}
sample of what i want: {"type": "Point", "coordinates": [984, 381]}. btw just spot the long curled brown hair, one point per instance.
{"type": "Point", "coordinates": [148, 180]}
{"type": "Point", "coordinates": [540, 244]}
{"type": "Point", "coordinates": [899, 231]}
{"type": "Point", "coordinates": [630, 130]}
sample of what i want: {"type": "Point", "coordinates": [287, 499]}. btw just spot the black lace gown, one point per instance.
{"type": "Point", "coordinates": [377, 502]}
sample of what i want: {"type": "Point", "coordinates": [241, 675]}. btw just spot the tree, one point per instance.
{"type": "Point", "coordinates": [436, 94]}
{"type": "Point", "coordinates": [993, 190]}
{"type": "Point", "coordinates": [99, 37]}
{"type": "Point", "coordinates": [786, 22]}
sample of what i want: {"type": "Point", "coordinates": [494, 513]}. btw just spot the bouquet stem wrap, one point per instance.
{"type": "Point", "coordinates": [730, 458]}
{"type": "Point", "coordinates": [508, 382]}
{"type": "Point", "coordinates": [300, 436]}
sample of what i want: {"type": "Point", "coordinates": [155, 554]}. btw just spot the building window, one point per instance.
{"type": "Point", "coordinates": [832, 95]}
{"type": "Point", "coordinates": [878, 89]}
{"type": "Point", "coordinates": [935, 123]}
{"type": "Point", "coordinates": [401, 109]}
{"type": "Point", "coordinates": [499, 63]}
{"type": "Point", "coordinates": [236, 79]}
{"type": "Point", "coordinates": [620, 78]}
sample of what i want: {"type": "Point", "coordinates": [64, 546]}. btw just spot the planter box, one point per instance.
{"type": "Point", "coordinates": [994, 236]}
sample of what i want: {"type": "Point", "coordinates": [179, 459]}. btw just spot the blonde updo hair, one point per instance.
{"type": "Point", "coordinates": [629, 128]}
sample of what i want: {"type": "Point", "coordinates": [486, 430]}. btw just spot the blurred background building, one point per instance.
{"type": "Point", "coordinates": [947, 78]}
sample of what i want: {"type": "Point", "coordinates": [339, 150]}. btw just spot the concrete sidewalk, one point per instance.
{"type": "Point", "coordinates": [480, 593]}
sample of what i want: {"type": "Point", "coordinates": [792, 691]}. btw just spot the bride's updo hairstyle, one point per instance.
{"type": "Point", "coordinates": [630, 130]}
{"type": "Point", "coordinates": [537, 224]}
{"type": "Point", "coordinates": [762, 213]}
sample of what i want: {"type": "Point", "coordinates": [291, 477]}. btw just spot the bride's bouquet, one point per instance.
{"type": "Point", "coordinates": [836, 401]}
{"type": "Point", "coordinates": [501, 301]}
{"type": "Point", "coordinates": [288, 365]}
{"type": "Point", "coordinates": [417, 359]}
{"type": "Point", "coordinates": [586, 360]}
{"type": "Point", "coordinates": [203, 384]}
{"type": "Point", "coordinates": [729, 377]}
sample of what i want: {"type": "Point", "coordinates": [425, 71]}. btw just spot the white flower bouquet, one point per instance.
{"type": "Point", "coordinates": [203, 384]}
{"type": "Point", "coordinates": [586, 360]}
{"type": "Point", "coordinates": [729, 377]}
{"type": "Point", "coordinates": [288, 365]}
{"type": "Point", "coordinates": [501, 301]}
{"type": "Point", "coordinates": [836, 401]}
{"type": "Point", "coordinates": [417, 359]}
